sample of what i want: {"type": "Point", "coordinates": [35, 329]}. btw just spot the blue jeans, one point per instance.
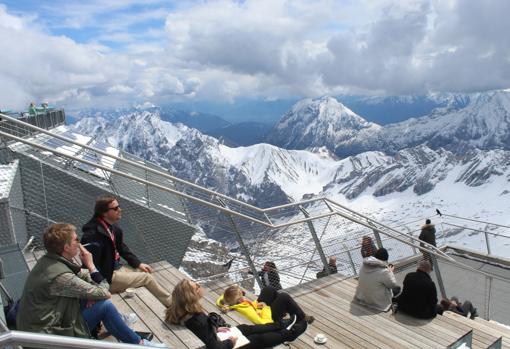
{"type": "Point", "coordinates": [106, 312]}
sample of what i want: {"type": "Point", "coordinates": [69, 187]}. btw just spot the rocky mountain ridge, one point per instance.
{"type": "Point", "coordinates": [484, 123]}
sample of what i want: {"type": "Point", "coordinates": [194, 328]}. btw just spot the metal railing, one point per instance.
{"type": "Point", "coordinates": [20, 339]}
{"type": "Point", "coordinates": [309, 228]}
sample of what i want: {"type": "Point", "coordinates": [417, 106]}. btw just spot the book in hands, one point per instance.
{"type": "Point", "coordinates": [234, 331]}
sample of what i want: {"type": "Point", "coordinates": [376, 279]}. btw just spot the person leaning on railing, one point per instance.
{"type": "Point", "coordinates": [60, 298]}
{"type": "Point", "coordinates": [186, 309]}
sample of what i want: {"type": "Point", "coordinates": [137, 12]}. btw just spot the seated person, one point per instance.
{"type": "Point", "coordinates": [367, 246]}
{"type": "Point", "coordinates": [185, 309]}
{"type": "Point", "coordinates": [463, 309]}
{"type": "Point", "coordinates": [419, 295]}
{"type": "Point", "coordinates": [106, 242]}
{"type": "Point", "coordinates": [269, 275]}
{"type": "Point", "coordinates": [377, 284]}
{"type": "Point", "coordinates": [331, 266]}
{"type": "Point", "coordinates": [261, 310]}
{"type": "Point", "coordinates": [60, 298]}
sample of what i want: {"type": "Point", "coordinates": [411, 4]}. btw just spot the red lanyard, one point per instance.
{"type": "Point", "coordinates": [112, 237]}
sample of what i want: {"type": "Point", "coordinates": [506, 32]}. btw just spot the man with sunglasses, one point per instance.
{"type": "Point", "coordinates": [105, 241]}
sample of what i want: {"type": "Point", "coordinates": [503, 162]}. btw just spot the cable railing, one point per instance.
{"type": "Point", "coordinates": [312, 230]}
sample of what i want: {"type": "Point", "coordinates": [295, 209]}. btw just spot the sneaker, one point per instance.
{"type": "Point", "coordinates": [129, 319]}
{"type": "Point", "coordinates": [474, 314]}
{"type": "Point", "coordinates": [309, 319]}
{"type": "Point", "coordinates": [294, 319]}
{"type": "Point", "coordinates": [145, 335]}
{"type": "Point", "coordinates": [147, 343]}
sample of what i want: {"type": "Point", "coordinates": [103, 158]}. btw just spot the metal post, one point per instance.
{"type": "Point", "coordinates": [147, 193]}
{"type": "Point", "coordinates": [438, 275]}
{"type": "Point", "coordinates": [243, 247]}
{"type": "Point", "coordinates": [316, 240]}
{"type": "Point", "coordinates": [44, 195]}
{"type": "Point", "coordinates": [411, 235]}
{"type": "Point", "coordinates": [488, 280]}
{"type": "Point", "coordinates": [487, 241]}
{"type": "Point", "coordinates": [378, 238]}
{"type": "Point", "coordinates": [353, 266]}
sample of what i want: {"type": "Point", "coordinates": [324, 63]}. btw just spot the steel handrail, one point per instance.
{"type": "Point", "coordinates": [478, 230]}
{"type": "Point", "coordinates": [476, 220]}
{"type": "Point", "coordinates": [51, 341]}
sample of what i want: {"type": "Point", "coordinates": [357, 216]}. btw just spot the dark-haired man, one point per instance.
{"type": "Point", "coordinates": [60, 298]}
{"type": "Point", "coordinates": [107, 245]}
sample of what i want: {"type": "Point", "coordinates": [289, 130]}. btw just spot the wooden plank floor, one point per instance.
{"type": "Point", "coordinates": [346, 324]}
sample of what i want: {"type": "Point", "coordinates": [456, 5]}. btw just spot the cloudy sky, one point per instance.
{"type": "Point", "coordinates": [84, 53]}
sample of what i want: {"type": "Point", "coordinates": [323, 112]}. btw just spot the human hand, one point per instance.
{"type": "Point", "coordinates": [223, 329]}
{"type": "Point", "coordinates": [233, 339]}
{"type": "Point", "coordinates": [86, 258]}
{"type": "Point", "coordinates": [145, 268]}
{"type": "Point", "coordinates": [225, 309]}
{"type": "Point", "coordinates": [391, 267]}
{"type": "Point", "coordinates": [261, 305]}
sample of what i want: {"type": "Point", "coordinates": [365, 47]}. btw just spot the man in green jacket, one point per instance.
{"type": "Point", "coordinates": [60, 298]}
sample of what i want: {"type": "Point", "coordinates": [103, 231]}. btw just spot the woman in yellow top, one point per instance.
{"type": "Point", "coordinates": [233, 299]}
{"type": "Point", "coordinates": [271, 306]}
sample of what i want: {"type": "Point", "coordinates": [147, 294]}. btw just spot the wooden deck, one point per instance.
{"type": "Point", "coordinates": [345, 323]}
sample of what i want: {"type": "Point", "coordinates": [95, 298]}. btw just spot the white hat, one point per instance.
{"type": "Point", "coordinates": [320, 338]}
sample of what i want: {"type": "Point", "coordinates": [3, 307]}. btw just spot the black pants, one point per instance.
{"type": "Point", "coordinates": [265, 336]}
{"type": "Point", "coordinates": [282, 303]}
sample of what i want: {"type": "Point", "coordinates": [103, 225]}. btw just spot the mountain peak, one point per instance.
{"type": "Point", "coordinates": [317, 122]}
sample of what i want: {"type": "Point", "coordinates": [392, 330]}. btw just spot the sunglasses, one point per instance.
{"type": "Point", "coordinates": [116, 208]}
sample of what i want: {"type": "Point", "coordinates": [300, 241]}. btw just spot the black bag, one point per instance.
{"type": "Point", "coordinates": [10, 311]}
{"type": "Point", "coordinates": [216, 320]}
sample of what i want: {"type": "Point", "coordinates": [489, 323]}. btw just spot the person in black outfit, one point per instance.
{"type": "Point", "coordinates": [331, 266]}
{"type": "Point", "coordinates": [464, 309]}
{"type": "Point", "coordinates": [428, 235]}
{"type": "Point", "coordinates": [269, 275]}
{"type": "Point", "coordinates": [185, 309]}
{"type": "Point", "coordinates": [281, 303]}
{"type": "Point", "coordinates": [419, 295]}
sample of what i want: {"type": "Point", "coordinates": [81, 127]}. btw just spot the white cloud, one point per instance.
{"type": "Point", "coordinates": [265, 48]}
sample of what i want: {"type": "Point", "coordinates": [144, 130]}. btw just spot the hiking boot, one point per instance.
{"type": "Point", "coordinates": [473, 314]}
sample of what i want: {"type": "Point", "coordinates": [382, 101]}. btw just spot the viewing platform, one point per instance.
{"type": "Point", "coordinates": [345, 323]}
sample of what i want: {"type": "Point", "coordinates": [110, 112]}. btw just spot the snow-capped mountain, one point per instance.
{"type": "Point", "coordinates": [484, 123]}
{"type": "Point", "coordinates": [318, 122]}
{"type": "Point", "coordinates": [267, 175]}
{"type": "Point", "coordinates": [399, 186]}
